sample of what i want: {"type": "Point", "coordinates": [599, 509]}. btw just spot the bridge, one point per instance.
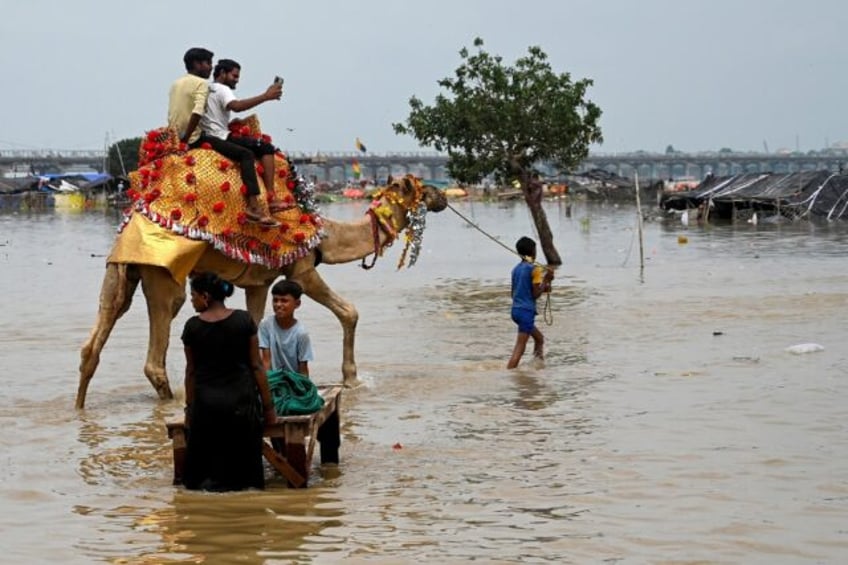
{"type": "Point", "coordinates": [338, 166]}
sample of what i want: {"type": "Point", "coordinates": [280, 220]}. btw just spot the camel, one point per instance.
{"type": "Point", "coordinates": [400, 204]}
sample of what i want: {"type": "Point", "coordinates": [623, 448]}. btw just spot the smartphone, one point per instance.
{"type": "Point", "coordinates": [278, 80]}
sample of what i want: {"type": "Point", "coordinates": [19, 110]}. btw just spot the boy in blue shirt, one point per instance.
{"type": "Point", "coordinates": [528, 283]}
{"type": "Point", "coordinates": [283, 341]}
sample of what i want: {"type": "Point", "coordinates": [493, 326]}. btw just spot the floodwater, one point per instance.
{"type": "Point", "coordinates": [669, 424]}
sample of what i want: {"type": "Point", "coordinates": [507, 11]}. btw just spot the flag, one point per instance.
{"type": "Point", "coordinates": [360, 146]}
{"type": "Point", "coordinates": [357, 170]}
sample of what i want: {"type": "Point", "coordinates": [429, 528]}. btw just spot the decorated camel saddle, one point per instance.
{"type": "Point", "coordinates": [187, 198]}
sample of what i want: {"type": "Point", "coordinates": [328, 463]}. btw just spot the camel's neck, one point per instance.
{"type": "Point", "coordinates": [349, 241]}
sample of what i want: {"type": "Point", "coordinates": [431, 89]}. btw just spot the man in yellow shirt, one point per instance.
{"type": "Point", "coordinates": [187, 99]}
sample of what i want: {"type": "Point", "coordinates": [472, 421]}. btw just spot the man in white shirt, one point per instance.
{"type": "Point", "coordinates": [215, 128]}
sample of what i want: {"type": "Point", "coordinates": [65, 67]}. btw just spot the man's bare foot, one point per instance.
{"type": "Point", "coordinates": [277, 206]}
{"type": "Point", "coordinates": [257, 216]}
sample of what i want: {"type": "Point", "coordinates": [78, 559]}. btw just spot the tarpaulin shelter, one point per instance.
{"type": "Point", "coordinates": [793, 195]}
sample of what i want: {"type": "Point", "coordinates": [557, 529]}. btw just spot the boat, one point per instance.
{"type": "Point", "coordinates": [456, 192]}
{"type": "Point", "coordinates": [354, 193]}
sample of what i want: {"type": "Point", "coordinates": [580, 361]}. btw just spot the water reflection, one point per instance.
{"type": "Point", "coordinates": [248, 527]}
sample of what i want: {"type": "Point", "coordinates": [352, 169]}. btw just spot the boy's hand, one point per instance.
{"type": "Point", "coordinates": [546, 280]}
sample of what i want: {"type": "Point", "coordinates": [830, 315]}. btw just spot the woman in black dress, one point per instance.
{"type": "Point", "coordinates": [226, 390]}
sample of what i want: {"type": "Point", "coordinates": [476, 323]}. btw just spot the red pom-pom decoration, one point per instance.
{"type": "Point", "coordinates": [176, 214]}
{"type": "Point", "coordinates": [202, 221]}
{"type": "Point", "coordinates": [218, 207]}
{"type": "Point", "coordinates": [225, 186]}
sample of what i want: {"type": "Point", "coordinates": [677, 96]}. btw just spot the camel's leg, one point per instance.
{"type": "Point", "coordinates": [315, 288]}
{"type": "Point", "coordinates": [255, 299]}
{"type": "Point", "coordinates": [115, 299]}
{"type": "Point", "coordinates": [164, 299]}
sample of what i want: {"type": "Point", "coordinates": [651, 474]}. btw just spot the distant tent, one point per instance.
{"type": "Point", "coordinates": [793, 195]}
{"type": "Point", "coordinates": [81, 180]}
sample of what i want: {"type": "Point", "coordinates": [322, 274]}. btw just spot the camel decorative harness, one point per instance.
{"type": "Point", "coordinates": [382, 219]}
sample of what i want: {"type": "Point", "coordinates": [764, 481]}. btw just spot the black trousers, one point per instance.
{"type": "Point", "coordinates": [237, 152]}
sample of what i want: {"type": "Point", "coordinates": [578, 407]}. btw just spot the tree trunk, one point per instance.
{"type": "Point", "coordinates": [533, 197]}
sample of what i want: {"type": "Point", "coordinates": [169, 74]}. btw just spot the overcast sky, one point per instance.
{"type": "Point", "coordinates": [696, 75]}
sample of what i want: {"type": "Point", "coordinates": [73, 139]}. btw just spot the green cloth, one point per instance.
{"type": "Point", "coordinates": [293, 393]}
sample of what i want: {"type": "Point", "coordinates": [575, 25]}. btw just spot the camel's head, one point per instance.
{"type": "Point", "coordinates": [403, 204]}
{"type": "Point", "coordinates": [408, 192]}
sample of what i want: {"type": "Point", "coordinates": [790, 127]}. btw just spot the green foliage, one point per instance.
{"type": "Point", "coordinates": [126, 151]}
{"type": "Point", "coordinates": [501, 120]}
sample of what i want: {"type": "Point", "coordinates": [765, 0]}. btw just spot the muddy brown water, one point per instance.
{"type": "Point", "coordinates": [668, 425]}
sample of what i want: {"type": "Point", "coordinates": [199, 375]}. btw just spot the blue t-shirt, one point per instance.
{"type": "Point", "coordinates": [288, 346]}
{"type": "Point", "coordinates": [524, 275]}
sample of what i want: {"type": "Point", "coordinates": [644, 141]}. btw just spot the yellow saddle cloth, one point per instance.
{"type": "Point", "coordinates": [198, 194]}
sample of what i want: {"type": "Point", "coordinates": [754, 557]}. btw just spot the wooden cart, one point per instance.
{"type": "Point", "coordinates": [289, 442]}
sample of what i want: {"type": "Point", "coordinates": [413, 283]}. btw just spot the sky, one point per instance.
{"type": "Point", "coordinates": [697, 75]}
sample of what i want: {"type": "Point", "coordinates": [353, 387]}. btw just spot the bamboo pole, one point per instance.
{"type": "Point", "coordinates": [639, 225]}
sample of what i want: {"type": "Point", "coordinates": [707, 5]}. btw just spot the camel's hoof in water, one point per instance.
{"type": "Point", "coordinates": [353, 383]}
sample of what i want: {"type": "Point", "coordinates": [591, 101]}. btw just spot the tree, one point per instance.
{"type": "Point", "coordinates": [123, 156]}
{"type": "Point", "coordinates": [501, 120]}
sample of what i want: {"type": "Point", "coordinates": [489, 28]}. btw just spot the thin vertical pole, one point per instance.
{"type": "Point", "coordinates": [639, 225]}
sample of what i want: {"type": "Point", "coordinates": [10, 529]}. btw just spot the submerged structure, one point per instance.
{"type": "Point", "coordinates": [800, 195]}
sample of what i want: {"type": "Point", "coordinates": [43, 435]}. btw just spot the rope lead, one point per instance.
{"type": "Point", "coordinates": [547, 312]}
